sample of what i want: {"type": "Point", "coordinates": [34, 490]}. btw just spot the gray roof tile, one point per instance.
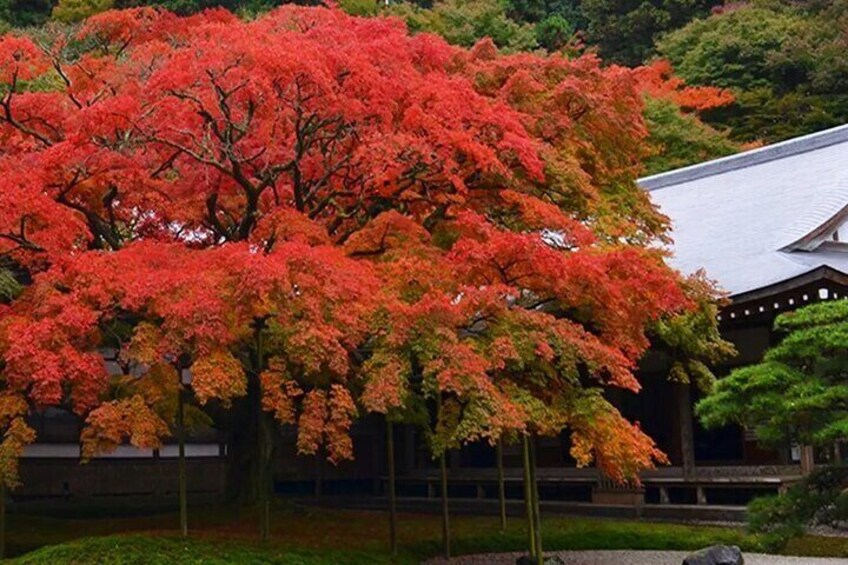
{"type": "Point", "coordinates": [739, 217]}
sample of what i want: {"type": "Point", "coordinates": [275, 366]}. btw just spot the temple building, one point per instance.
{"type": "Point", "coordinates": [769, 225]}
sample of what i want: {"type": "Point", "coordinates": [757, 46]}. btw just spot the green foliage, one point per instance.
{"type": "Point", "coordinates": [735, 49]}
{"type": "Point", "coordinates": [527, 10]}
{"type": "Point", "coordinates": [535, 11]}
{"type": "Point", "coordinates": [465, 22]}
{"type": "Point", "coordinates": [9, 285]}
{"type": "Point", "coordinates": [760, 114]}
{"type": "Point", "coordinates": [680, 139]}
{"type": "Point", "coordinates": [72, 11]}
{"type": "Point", "coordinates": [148, 550]}
{"type": "Point", "coordinates": [184, 7]}
{"type": "Point", "coordinates": [553, 32]}
{"type": "Point", "coordinates": [23, 13]}
{"type": "Point", "coordinates": [799, 391]}
{"type": "Point", "coordinates": [360, 7]}
{"type": "Point", "coordinates": [624, 30]}
{"type": "Point", "coordinates": [820, 499]}
{"type": "Point", "coordinates": [785, 63]}
{"type": "Point", "coordinates": [692, 340]}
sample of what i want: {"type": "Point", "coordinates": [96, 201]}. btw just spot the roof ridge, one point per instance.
{"type": "Point", "coordinates": [827, 211]}
{"type": "Point", "coordinates": [745, 159]}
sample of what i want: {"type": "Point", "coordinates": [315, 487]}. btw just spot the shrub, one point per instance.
{"type": "Point", "coordinates": [819, 500]}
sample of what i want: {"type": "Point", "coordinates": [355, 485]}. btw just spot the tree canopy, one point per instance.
{"type": "Point", "coordinates": [324, 210]}
{"type": "Point", "coordinates": [625, 31]}
{"type": "Point", "coordinates": [779, 58]}
{"type": "Point", "coordinates": [465, 22]}
{"type": "Point", "coordinates": [798, 393]}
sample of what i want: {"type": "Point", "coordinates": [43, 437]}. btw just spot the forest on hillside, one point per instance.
{"type": "Point", "coordinates": [776, 67]}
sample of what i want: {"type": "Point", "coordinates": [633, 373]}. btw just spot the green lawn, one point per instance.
{"type": "Point", "coordinates": [316, 536]}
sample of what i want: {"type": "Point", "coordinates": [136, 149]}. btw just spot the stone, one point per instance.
{"type": "Point", "coordinates": [716, 555]}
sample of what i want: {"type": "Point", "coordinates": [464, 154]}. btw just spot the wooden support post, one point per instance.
{"type": "Point", "coordinates": [443, 473]}
{"type": "Point", "coordinates": [390, 460]}
{"type": "Point", "coordinates": [2, 521]}
{"type": "Point", "coordinates": [687, 435]}
{"type": "Point", "coordinates": [701, 495]}
{"type": "Point", "coordinates": [664, 495]}
{"type": "Point", "coordinates": [537, 530]}
{"type": "Point", "coordinates": [408, 455]}
{"type": "Point", "coordinates": [454, 459]}
{"type": "Point", "coordinates": [319, 472]}
{"type": "Point", "coordinates": [445, 512]}
{"type": "Point", "coordinates": [528, 496]}
{"type": "Point", "coordinates": [181, 464]}
{"type": "Point", "coordinates": [501, 486]}
{"type": "Point", "coordinates": [807, 460]}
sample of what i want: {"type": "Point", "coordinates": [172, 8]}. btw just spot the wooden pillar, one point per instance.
{"type": "Point", "coordinates": [807, 460]}
{"type": "Point", "coordinates": [454, 459]}
{"type": "Point", "coordinates": [319, 472]}
{"type": "Point", "coordinates": [390, 463]}
{"type": "Point", "coordinates": [408, 448]}
{"type": "Point", "coordinates": [687, 435]}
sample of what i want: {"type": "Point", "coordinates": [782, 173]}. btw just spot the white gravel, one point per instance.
{"type": "Point", "coordinates": [634, 558]}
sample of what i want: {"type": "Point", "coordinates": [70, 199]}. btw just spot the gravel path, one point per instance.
{"type": "Point", "coordinates": [634, 558]}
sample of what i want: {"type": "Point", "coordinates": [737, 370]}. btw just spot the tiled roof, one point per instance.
{"type": "Point", "coordinates": [758, 218]}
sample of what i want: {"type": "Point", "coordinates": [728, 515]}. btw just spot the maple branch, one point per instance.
{"type": "Point", "coordinates": [21, 239]}
{"type": "Point", "coordinates": [6, 104]}
{"type": "Point", "coordinates": [167, 164]}
{"type": "Point", "coordinates": [99, 228]}
{"type": "Point", "coordinates": [108, 203]}
{"type": "Point", "coordinates": [212, 216]}
{"type": "Point", "coordinates": [539, 304]}
{"type": "Point", "coordinates": [57, 66]}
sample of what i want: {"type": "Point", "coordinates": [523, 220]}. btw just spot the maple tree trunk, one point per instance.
{"type": "Point", "coordinates": [263, 437]}
{"type": "Point", "coordinates": [390, 463]}
{"type": "Point", "coordinates": [182, 463]}
{"type": "Point", "coordinates": [537, 515]}
{"type": "Point", "coordinates": [443, 472]}
{"type": "Point", "coordinates": [445, 513]}
{"type": "Point", "coordinates": [264, 478]}
{"type": "Point", "coordinates": [528, 496]}
{"type": "Point", "coordinates": [501, 489]}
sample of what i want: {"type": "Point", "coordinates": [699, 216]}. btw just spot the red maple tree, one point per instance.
{"type": "Point", "coordinates": [319, 211]}
{"type": "Point", "coordinates": [658, 80]}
